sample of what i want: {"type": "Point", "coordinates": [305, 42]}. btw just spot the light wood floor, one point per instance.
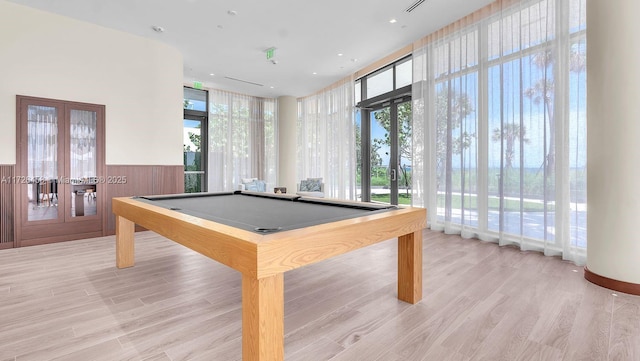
{"type": "Point", "coordinates": [67, 301]}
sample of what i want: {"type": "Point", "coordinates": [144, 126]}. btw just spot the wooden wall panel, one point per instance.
{"type": "Point", "coordinates": [7, 189]}
{"type": "Point", "coordinates": [141, 180]}
{"type": "Point", "coordinates": [168, 179]}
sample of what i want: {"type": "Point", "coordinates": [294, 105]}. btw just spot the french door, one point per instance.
{"type": "Point", "coordinates": [195, 135]}
{"type": "Point", "coordinates": [195, 160]}
{"type": "Point", "coordinates": [388, 152]}
{"type": "Point", "coordinates": [60, 170]}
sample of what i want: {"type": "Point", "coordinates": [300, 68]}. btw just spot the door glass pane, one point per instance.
{"type": "Point", "coordinates": [83, 162]}
{"type": "Point", "coordinates": [380, 155]}
{"type": "Point", "coordinates": [192, 155]}
{"type": "Point", "coordinates": [404, 151]}
{"type": "Point", "coordinates": [42, 163]}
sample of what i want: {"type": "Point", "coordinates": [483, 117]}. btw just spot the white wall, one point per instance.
{"type": "Point", "coordinates": [287, 142]}
{"type": "Point", "coordinates": [613, 123]}
{"type": "Point", "coordinates": [138, 80]}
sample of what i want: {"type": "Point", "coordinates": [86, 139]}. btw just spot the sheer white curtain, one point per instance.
{"type": "Point", "coordinates": [42, 143]}
{"type": "Point", "coordinates": [500, 126]}
{"type": "Point", "coordinates": [242, 140]}
{"type": "Point", "coordinates": [327, 141]}
{"type": "Point", "coordinates": [83, 146]}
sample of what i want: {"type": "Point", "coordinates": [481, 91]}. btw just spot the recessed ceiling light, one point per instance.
{"type": "Point", "coordinates": [393, 21]}
{"type": "Point", "coordinates": [212, 74]}
{"type": "Point", "coordinates": [340, 54]}
{"type": "Point", "coordinates": [157, 29]}
{"type": "Point", "coordinates": [232, 12]}
{"type": "Point", "coordinates": [314, 73]}
{"type": "Point", "coordinates": [272, 87]}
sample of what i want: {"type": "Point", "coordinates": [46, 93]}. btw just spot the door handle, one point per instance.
{"type": "Point", "coordinates": [393, 175]}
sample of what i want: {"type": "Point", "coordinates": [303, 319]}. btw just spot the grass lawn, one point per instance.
{"type": "Point", "coordinates": [403, 198]}
{"type": "Point", "coordinates": [471, 202]}
{"type": "Point", "coordinates": [510, 204]}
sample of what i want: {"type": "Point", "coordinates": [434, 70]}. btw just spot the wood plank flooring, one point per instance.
{"type": "Point", "coordinates": [67, 301]}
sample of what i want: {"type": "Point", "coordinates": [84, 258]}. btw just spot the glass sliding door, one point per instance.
{"type": "Point", "coordinates": [390, 153]}
{"type": "Point", "coordinates": [194, 173]}
{"type": "Point", "coordinates": [384, 132]}
{"type": "Point", "coordinates": [380, 156]}
{"type": "Point", "coordinates": [195, 149]}
{"type": "Point", "coordinates": [404, 152]}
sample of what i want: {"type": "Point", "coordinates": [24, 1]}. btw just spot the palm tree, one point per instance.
{"type": "Point", "coordinates": [543, 92]}
{"type": "Point", "coordinates": [510, 132]}
{"type": "Point", "coordinates": [451, 109]}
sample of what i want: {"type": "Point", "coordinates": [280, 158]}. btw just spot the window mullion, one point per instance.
{"type": "Point", "coordinates": [483, 128]}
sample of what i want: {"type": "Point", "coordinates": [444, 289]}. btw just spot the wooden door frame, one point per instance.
{"type": "Point", "coordinates": [61, 229]}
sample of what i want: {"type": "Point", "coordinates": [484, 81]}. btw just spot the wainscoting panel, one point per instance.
{"type": "Point", "coordinates": [168, 179]}
{"type": "Point", "coordinates": [140, 180]}
{"type": "Point", "coordinates": [7, 173]}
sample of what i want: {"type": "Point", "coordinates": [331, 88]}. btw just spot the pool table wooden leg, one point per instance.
{"type": "Point", "coordinates": [125, 255]}
{"type": "Point", "coordinates": [410, 267]}
{"type": "Point", "coordinates": [263, 318]}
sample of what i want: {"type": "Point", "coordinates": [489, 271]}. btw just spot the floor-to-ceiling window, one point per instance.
{"type": "Point", "coordinates": [242, 137]}
{"type": "Point", "coordinates": [227, 137]}
{"type": "Point", "coordinates": [326, 139]}
{"type": "Point", "coordinates": [500, 126]}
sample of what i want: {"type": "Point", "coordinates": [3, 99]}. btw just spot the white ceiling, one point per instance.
{"type": "Point", "coordinates": [307, 35]}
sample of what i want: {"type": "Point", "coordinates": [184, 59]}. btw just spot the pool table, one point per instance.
{"type": "Point", "coordinates": [263, 235]}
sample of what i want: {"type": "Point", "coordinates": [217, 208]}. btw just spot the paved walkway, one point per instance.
{"type": "Point", "coordinates": [532, 225]}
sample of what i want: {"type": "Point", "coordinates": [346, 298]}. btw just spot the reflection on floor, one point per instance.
{"type": "Point", "coordinates": [48, 209]}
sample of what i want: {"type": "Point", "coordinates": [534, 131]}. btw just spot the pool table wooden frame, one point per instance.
{"type": "Point", "coordinates": [263, 258]}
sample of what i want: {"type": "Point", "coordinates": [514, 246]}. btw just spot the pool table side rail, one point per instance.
{"type": "Point", "coordinates": [231, 246]}
{"type": "Point", "coordinates": [292, 249]}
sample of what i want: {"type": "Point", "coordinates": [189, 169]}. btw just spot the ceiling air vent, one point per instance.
{"type": "Point", "coordinates": [414, 5]}
{"type": "Point", "coordinates": [243, 81]}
